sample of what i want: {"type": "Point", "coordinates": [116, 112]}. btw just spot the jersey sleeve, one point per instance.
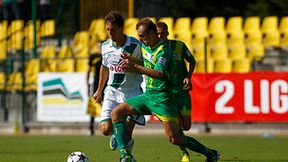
{"type": "Point", "coordinates": [135, 48]}
{"type": "Point", "coordinates": [138, 53]}
{"type": "Point", "coordinates": [104, 57]}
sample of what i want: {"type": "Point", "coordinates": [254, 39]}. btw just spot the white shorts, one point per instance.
{"type": "Point", "coordinates": [112, 98]}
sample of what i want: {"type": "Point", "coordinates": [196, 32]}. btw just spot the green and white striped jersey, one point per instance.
{"type": "Point", "coordinates": [111, 57]}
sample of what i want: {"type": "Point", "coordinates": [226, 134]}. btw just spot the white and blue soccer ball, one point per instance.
{"type": "Point", "coordinates": [77, 156]}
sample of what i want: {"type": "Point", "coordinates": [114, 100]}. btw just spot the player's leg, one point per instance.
{"type": "Point", "coordinates": [184, 105]}
{"type": "Point", "coordinates": [185, 122]}
{"type": "Point", "coordinates": [106, 127]}
{"type": "Point", "coordinates": [185, 153]}
{"type": "Point", "coordinates": [184, 125]}
{"type": "Point", "coordinates": [119, 115]}
{"type": "Point", "coordinates": [171, 130]}
{"type": "Point", "coordinates": [132, 106]}
{"type": "Point", "coordinates": [130, 126]}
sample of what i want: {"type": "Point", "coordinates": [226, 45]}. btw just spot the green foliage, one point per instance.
{"type": "Point", "coordinates": [147, 148]}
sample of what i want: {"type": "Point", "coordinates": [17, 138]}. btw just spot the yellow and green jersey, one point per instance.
{"type": "Point", "coordinates": [180, 54]}
{"type": "Point", "coordinates": [158, 58]}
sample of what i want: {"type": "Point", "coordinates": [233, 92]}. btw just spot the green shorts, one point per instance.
{"type": "Point", "coordinates": [159, 104]}
{"type": "Point", "coordinates": [183, 102]}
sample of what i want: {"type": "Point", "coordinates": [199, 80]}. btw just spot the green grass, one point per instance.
{"type": "Point", "coordinates": [147, 148]}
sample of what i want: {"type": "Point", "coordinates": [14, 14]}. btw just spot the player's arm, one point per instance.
{"type": "Point", "coordinates": [150, 72]}
{"type": "Point", "coordinates": [188, 56]}
{"type": "Point", "coordinates": [104, 73]}
{"type": "Point", "coordinates": [130, 64]}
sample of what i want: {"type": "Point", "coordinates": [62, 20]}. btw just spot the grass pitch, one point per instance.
{"type": "Point", "coordinates": [151, 148]}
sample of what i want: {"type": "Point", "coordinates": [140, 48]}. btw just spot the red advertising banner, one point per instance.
{"type": "Point", "coordinates": [235, 97]}
{"type": "Point", "coordinates": [238, 97]}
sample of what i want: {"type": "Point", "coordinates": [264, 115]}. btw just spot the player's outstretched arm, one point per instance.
{"type": "Point", "coordinates": [129, 64]}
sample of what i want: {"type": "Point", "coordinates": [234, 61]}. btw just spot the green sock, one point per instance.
{"type": "Point", "coordinates": [120, 131]}
{"type": "Point", "coordinates": [182, 148]}
{"type": "Point", "coordinates": [193, 145]}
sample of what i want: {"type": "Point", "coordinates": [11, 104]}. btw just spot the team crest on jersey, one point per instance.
{"type": "Point", "coordinates": [149, 57]}
{"type": "Point", "coordinates": [162, 60]}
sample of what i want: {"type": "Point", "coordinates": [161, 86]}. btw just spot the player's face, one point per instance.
{"type": "Point", "coordinates": [145, 36]}
{"type": "Point", "coordinates": [162, 34]}
{"type": "Point", "coordinates": [114, 31]}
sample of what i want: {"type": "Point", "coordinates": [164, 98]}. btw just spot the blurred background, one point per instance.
{"type": "Point", "coordinates": [242, 36]}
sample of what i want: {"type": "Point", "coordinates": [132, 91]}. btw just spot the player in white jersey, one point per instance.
{"type": "Point", "coordinates": [121, 85]}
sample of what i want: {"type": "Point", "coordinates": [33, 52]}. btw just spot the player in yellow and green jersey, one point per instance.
{"type": "Point", "coordinates": [158, 99]}
{"type": "Point", "coordinates": [183, 80]}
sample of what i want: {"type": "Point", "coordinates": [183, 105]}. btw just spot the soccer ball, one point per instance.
{"type": "Point", "coordinates": [77, 156]}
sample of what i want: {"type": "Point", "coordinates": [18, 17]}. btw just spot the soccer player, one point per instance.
{"type": "Point", "coordinates": [182, 77]}
{"type": "Point", "coordinates": [121, 85]}
{"type": "Point", "coordinates": [158, 99]}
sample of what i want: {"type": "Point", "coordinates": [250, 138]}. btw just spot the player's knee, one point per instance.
{"type": "Point", "coordinates": [186, 126]}
{"type": "Point", "coordinates": [185, 123]}
{"type": "Point", "coordinates": [115, 115]}
{"type": "Point", "coordinates": [118, 113]}
{"type": "Point", "coordinates": [175, 140]}
{"type": "Point", "coordinates": [106, 129]}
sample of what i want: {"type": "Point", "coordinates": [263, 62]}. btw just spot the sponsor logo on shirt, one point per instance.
{"type": "Point", "coordinates": [116, 68]}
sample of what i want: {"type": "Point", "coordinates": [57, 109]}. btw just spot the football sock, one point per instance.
{"type": "Point", "coordinates": [130, 146]}
{"type": "Point", "coordinates": [120, 131]}
{"type": "Point", "coordinates": [193, 145]}
{"type": "Point", "coordinates": [182, 148]}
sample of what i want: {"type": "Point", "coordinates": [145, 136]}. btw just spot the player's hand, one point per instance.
{"type": "Point", "coordinates": [127, 62]}
{"type": "Point", "coordinates": [98, 97]}
{"type": "Point", "coordinates": [187, 85]}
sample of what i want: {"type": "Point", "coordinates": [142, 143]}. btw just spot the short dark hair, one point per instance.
{"type": "Point", "coordinates": [147, 24]}
{"type": "Point", "coordinates": [114, 17]}
{"type": "Point", "coordinates": [162, 25]}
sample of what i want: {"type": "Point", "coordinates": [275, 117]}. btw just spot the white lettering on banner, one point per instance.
{"type": "Point", "coordinates": [275, 92]}
{"type": "Point", "coordinates": [278, 87]}
{"type": "Point", "coordinates": [264, 94]}
{"type": "Point", "coordinates": [227, 87]}
{"type": "Point", "coordinates": [248, 98]}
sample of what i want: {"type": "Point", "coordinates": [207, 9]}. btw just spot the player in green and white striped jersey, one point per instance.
{"type": "Point", "coordinates": [121, 85]}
